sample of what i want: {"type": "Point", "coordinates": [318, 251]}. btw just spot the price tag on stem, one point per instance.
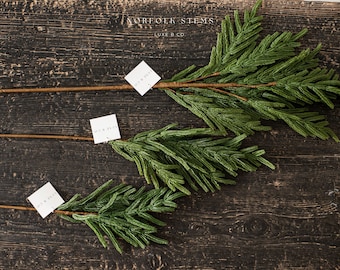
{"type": "Point", "coordinates": [45, 200]}
{"type": "Point", "coordinates": [105, 128]}
{"type": "Point", "coordinates": [142, 78]}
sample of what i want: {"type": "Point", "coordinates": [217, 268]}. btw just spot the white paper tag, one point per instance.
{"type": "Point", "coordinates": [105, 128]}
{"type": "Point", "coordinates": [46, 199]}
{"type": "Point", "coordinates": [142, 78]}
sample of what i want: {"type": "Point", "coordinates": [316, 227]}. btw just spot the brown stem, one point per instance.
{"type": "Point", "coordinates": [42, 136]}
{"type": "Point", "coordinates": [36, 136]}
{"type": "Point", "coordinates": [67, 89]}
{"type": "Point", "coordinates": [228, 93]}
{"type": "Point", "coordinates": [61, 212]}
{"type": "Point", "coordinates": [160, 85]}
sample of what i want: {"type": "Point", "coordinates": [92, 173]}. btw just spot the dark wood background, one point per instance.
{"type": "Point", "coordinates": [282, 219]}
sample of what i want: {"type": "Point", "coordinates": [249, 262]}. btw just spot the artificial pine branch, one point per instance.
{"type": "Point", "coordinates": [285, 81]}
{"type": "Point", "coordinates": [123, 212]}
{"type": "Point", "coordinates": [181, 158]}
{"type": "Point", "coordinates": [247, 80]}
{"type": "Point", "coordinates": [119, 211]}
{"type": "Point", "coordinates": [197, 157]}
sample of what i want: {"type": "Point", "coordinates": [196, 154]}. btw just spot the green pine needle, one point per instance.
{"type": "Point", "coordinates": [189, 157]}
{"type": "Point", "coordinates": [122, 212]}
{"type": "Point", "coordinates": [272, 80]}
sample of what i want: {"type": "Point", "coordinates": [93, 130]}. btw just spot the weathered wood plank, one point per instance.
{"type": "Point", "coordinates": [282, 219]}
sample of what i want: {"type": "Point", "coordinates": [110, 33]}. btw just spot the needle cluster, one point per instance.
{"type": "Point", "coordinates": [246, 81]}
{"type": "Point", "coordinates": [195, 157]}
{"type": "Point", "coordinates": [122, 211]}
{"type": "Point", "coordinates": [275, 81]}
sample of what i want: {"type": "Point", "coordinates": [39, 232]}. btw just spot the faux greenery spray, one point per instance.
{"type": "Point", "coordinates": [247, 80]}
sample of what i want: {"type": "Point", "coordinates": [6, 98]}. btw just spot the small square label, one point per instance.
{"type": "Point", "coordinates": [46, 199]}
{"type": "Point", "coordinates": [105, 128]}
{"type": "Point", "coordinates": [142, 78]}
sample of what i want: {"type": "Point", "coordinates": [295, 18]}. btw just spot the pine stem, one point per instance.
{"type": "Point", "coordinates": [229, 94]}
{"type": "Point", "coordinates": [160, 85]}
{"type": "Point", "coordinates": [61, 212]}
{"type": "Point", "coordinates": [42, 136]}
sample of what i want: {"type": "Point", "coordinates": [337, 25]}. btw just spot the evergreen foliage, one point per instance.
{"type": "Point", "coordinates": [197, 156]}
{"type": "Point", "coordinates": [122, 211]}
{"type": "Point", "coordinates": [272, 81]}
{"type": "Point", "coordinates": [252, 81]}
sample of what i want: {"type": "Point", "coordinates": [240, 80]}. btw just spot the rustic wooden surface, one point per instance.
{"type": "Point", "coordinates": [282, 219]}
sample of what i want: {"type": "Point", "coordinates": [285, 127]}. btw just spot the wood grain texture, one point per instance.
{"type": "Point", "coordinates": [281, 219]}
